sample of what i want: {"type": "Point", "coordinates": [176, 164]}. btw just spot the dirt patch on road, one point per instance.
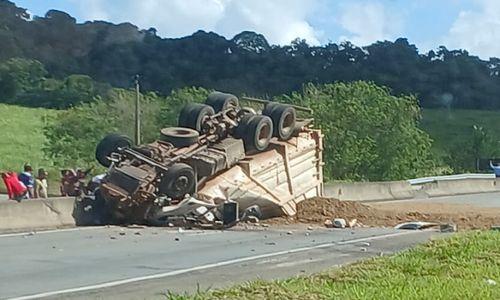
{"type": "Point", "coordinates": [317, 210]}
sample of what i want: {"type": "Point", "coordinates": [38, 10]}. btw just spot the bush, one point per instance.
{"type": "Point", "coordinates": [73, 134]}
{"type": "Point", "coordinates": [369, 133]}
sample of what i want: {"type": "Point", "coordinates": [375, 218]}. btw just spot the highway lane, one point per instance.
{"type": "Point", "coordinates": [131, 263]}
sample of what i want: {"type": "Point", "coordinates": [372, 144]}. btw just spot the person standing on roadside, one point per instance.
{"type": "Point", "coordinates": [28, 180]}
{"type": "Point", "coordinates": [41, 185]}
{"type": "Point", "coordinates": [496, 169]}
{"type": "Point", "coordinates": [15, 188]}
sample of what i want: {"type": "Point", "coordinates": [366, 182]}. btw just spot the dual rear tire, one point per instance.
{"type": "Point", "coordinates": [283, 117]}
{"type": "Point", "coordinates": [277, 120]}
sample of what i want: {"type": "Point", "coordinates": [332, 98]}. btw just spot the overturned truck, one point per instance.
{"type": "Point", "coordinates": [223, 162]}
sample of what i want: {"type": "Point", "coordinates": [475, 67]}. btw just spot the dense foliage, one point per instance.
{"type": "Point", "coordinates": [369, 133]}
{"type": "Point", "coordinates": [245, 64]}
{"type": "Point", "coordinates": [73, 134]}
{"type": "Point", "coordinates": [26, 82]}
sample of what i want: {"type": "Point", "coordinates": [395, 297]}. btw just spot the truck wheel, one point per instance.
{"type": "Point", "coordinates": [179, 136]}
{"type": "Point", "coordinates": [194, 115]}
{"type": "Point", "coordinates": [109, 144]}
{"type": "Point", "coordinates": [268, 108]}
{"type": "Point", "coordinates": [239, 131]}
{"type": "Point", "coordinates": [258, 133]}
{"type": "Point", "coordinates": [178, 181]}
{"type": "Point", "coordinates": [221, 101]}
{"type": "Point", "coordinates": [283, 117]}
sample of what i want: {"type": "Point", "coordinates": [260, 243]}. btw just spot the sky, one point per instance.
{"type": "Point", "coordinates": [473, 25]}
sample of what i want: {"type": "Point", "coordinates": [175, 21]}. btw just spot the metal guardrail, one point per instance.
{"type": "Point", "coordinates": [450, 177]}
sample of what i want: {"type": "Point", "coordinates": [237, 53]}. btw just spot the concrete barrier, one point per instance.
{"type": "Point", "coordinates": [400, 190]}
{"type": "Point", "coordinates": [36, 214]}
{"type": "Point", "coordinates": [459, 187]}
{"type": "Point", "coordinates": [369, 191]}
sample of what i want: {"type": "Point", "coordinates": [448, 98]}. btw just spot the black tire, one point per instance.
{"type": "Point", "coordinates": [221, 101]}
{"type": "Point", "coordinates": [178, 181]}
{"type": "Point", "coordinates": [258, 133]}
{"type": "Point", "coordinates": [110, 144]}
{"type": "Point", "coordinates": [179, 136]}
{"type": "Point", "coordinates": [284, 119]}
{"type": "Point", "coordinates": [240, 130]}
{"type": "Point", "coordinates": [268, 108]}
{"type": "Point", "coordinates": [194, 115]}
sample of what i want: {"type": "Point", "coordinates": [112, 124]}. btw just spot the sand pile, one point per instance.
{"type": "Point", "coordinates": [317, 210]}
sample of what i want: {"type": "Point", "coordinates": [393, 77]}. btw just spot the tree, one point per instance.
{"type": "Point", "coordinates": [19, 75]}
{"type": "Point", "coordinates": [73, 134]}
{"type": "Point", "coordinates": [465, 155]}
{"type": "Point", "coordinates": [369, 133]}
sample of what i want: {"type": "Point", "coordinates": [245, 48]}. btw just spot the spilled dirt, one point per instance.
{"type": "Point", "coordinates": [389, 214]}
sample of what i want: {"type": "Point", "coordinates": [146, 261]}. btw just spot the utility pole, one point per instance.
{"type": "Point", "coordinates": [137, 112]}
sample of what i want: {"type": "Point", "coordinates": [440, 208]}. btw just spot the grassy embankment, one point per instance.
{"type": "Point", "coordinates": [21, 140]}
{"type": "Point", "coordinates": [454, 268]}
{"type": "Point", "coordinates": [450, 127]}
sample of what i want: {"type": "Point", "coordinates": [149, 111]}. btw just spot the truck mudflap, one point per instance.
{"type": "Point", "coordinates": [275, 180]}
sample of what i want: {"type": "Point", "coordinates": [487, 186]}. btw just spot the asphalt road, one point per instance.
{"type": "Point", "coordinates": [145, 263]}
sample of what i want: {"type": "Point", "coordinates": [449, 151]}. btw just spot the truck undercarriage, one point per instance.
{"type": "Point", "coordinates": [222, 163]}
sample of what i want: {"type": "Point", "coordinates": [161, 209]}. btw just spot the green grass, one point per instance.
{"type": "Point", "coordinates": [452, 268]}
{"type": "Point", "coordinates": [22, 139]}
{"type": "Point", "coordinates": [452, 126]}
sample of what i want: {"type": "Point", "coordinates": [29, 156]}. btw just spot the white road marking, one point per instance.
{"type": "Point", "coordinates": [299, 262]}
{"type": "Point", "coordinates": [50, 231]}
{"type": "Point", "coordinates": [204, 267]}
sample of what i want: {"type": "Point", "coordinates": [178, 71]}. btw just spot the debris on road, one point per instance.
{"type": "Point", "coordinates": [339, 223]}
{"type": "Point", "coordinates": [251, 219]}
{"type": "Point", "coordinates": [415, 225]}
{"type": "Point", "coordinates": [322, 211]}
{"type": "Point", "coordinates": [449, 227]}
{"type": "Point", "coordinates": [495, 227]}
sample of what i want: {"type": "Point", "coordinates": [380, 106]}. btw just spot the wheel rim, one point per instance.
{"type": "Point", "coordinates": [287, 123]}
{"type": "Point", "coordinates": [181, 183]}
{"type": "Point", "coordinates": [264, 134]}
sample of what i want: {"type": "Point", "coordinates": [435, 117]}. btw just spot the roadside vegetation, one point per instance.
{"type": "Point", "coordinates": [22, 139]}
{"type": "Point", "coordinates": [462, 135]}
{"type": "Point", "coordinates": [370, 116]}
{"type": "Point", "coordinates": [464, 266]}
{"type": "Point", "coordinates": [369, 133]}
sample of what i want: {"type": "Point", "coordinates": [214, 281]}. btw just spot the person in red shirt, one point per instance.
{"type": "Point", "coordinates": [15, 188]}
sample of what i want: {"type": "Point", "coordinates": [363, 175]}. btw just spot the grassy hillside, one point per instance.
{"type": "Point", "coordinates": [21, 138]}
{"type": "Point", "coordinates": [451, 126]}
